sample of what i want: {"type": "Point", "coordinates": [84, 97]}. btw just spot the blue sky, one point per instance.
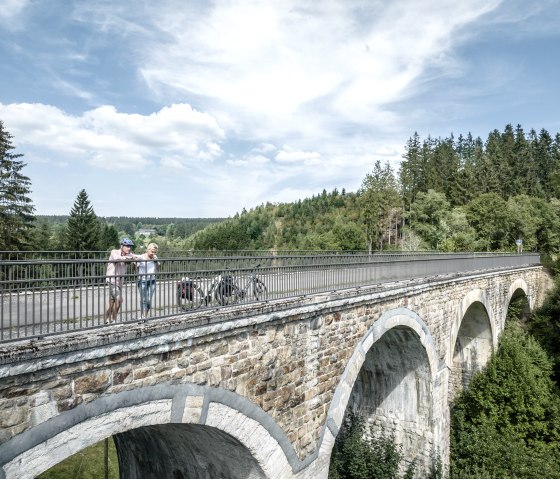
{"type": "Point", "coordinates": [196, 108]}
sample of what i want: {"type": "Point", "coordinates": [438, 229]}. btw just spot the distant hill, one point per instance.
{"type": "Point", "coordinates": [328, 221]}
{"type": "Point", "coordinates": [175, 227]}
{"type": "Point", "coordinates": [148, 220]}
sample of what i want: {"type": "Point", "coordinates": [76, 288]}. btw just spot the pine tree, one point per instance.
{"type": "Point", "coordinates": [544, 165]}
{"type": "Point", "coordinates": [16, 208]}
{"type": "Point", "coordinates": [83, 232]}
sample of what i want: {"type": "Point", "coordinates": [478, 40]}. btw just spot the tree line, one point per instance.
{"type": "Point", "coordinates": [449, 194]}
{"type": "Point", "coordinates": [95, 233]}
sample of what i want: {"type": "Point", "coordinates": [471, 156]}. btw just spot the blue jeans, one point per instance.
{"type": "Point", "coordinates": [147, 290]}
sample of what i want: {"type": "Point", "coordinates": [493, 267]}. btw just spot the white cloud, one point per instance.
{"type": "Point", "coordinates": [285, 67]}
{"type": "Point", "coordinates": [289, 155]}
{"type": "Point", "coordinates": [112, 140]}
{"type": "Point", "coordinates": [249, 160]}
{"type": "Point", "coordinates": [329, 81]}
{"type": "Point", "coordinates": [10, 13]}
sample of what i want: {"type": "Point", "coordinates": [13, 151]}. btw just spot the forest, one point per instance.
{"type": "Point", "coordinates": [448, 195]}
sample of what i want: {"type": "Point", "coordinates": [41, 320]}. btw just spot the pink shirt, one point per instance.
{"type": "Point", "coordinates": [116, 267]}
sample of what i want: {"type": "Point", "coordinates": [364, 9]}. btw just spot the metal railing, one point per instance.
{"type": "Point", "coordinates": [178, 253]}
{"type": "Point", "coordinates": [43, 297]}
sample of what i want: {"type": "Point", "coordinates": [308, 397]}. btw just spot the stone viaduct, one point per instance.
{"type": "Point", "coordinates": [257, 391]}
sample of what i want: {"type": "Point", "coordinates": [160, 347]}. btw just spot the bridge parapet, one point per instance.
{"type": "Point", "coordinates": [44, 297]}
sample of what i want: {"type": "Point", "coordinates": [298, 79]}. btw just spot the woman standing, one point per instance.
{"type": "Point", "coordinates": [147, 267]}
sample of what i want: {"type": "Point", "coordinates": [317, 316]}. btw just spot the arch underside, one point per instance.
{"type": "Point", "coordinates": [393, 393]}
{"type": "Point", "coordinates": [520, 303]}
{"type": "Point", "coordinates": [182, 451]}
{"type": "Point", "coordinates": [473, 348]}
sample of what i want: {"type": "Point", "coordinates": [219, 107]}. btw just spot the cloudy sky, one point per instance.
{"type": "Point", "coordinates": [195, 108]}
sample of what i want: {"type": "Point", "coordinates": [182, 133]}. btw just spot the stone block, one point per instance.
{"type": "Point", "coordinates": [92, 383]}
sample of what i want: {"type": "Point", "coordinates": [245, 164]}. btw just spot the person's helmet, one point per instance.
{"type": "Point", "coordinates": [127, 242]}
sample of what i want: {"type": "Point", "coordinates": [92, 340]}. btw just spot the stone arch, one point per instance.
{"type": "Point", "coordinates": [473, 338]}
{"type": "Point", "coordinates": [399, 347]}
{"type": "Point", "coordinates": [179, 412]}
{"type": "Point", "coordinates": [519, 285]}
{"type": "Point", "coordinates": [516, 290]}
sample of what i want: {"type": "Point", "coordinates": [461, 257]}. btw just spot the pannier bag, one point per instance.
{"type": "Point", "coordinates": [186, 288]}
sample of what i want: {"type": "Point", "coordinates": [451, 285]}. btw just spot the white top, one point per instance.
{"type": "Point", "coordinates": [147, 268]}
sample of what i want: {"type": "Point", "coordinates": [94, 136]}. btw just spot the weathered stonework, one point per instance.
{"type": "Point", "coordinates": [275, 378]}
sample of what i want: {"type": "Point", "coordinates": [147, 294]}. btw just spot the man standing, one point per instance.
{"type": "Point", "coordinates": [116, 269]}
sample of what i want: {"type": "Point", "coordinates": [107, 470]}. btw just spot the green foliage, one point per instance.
{"type": "Point", "coordinates": [361, 453]}
{"type": "Point", "coordinates": [16, 208]}
{"type": "Point", "coordinates": [428, 216]}
{"type": "Point", "coordinates": [380, 204]}
{"type": "Point", "coordinates": [329, 221]}
{"type": "Point", "coordinates": [490, 218]}
{"type": "Point", "coordinates": [42, 236]}
{"type": "Point", "coordinates": [518, 310]}
{"type": "Point", "coordinates": [458, 234]}
{"type": "Point", "coordinates": [86, 464]}
{"type": "Point", "coordinates": [83, 228]}
{"type": "Point", "coordinates": [520, 172]}
{"type": "Point", "coordinates": [52, 231]}
{"type": "Point", "coordinates": [109, 237]}
{"type": "Point", "coordinates": [507, 424]}
{"type": "Point", "coordinates": [544, 325]}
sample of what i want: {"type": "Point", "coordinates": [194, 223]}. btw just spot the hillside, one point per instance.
{"type": "Point", "coordinates": [328, 221]}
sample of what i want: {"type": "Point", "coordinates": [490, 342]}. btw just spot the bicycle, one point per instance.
{"type": "Point", "coordinates": [191, 295]}
{"type": "Point", "coordinates": [223, 289]}
{"type": "Point", "coordinates": [254, 285]}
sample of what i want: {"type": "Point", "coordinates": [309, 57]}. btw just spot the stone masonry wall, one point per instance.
{"type": "Point", "coordinates": [286, 357]}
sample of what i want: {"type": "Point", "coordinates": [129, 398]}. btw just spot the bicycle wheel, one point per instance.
{"type": "Point", "coordinates": [260, 292]}
{"type": "Point", "coordinates": [227, 295]}
{"type": "Point", "coordinates": [192, 298]}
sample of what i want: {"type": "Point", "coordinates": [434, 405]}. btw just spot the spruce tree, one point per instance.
{"type": "Point", "coordinates": [16, 208]}
{"type": "Point", "coordinates": [410, 170]}
{"type": "Point", "coordinates": [83, 232]}
{"type": "Point", "coordinates": [379, 200]}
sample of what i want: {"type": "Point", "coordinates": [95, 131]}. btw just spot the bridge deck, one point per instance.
{"type": "Point", "coordinates": [45, 297]}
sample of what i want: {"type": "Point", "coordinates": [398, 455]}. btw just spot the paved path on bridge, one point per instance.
{"type": "Point", "coordinates": [50, 311]}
